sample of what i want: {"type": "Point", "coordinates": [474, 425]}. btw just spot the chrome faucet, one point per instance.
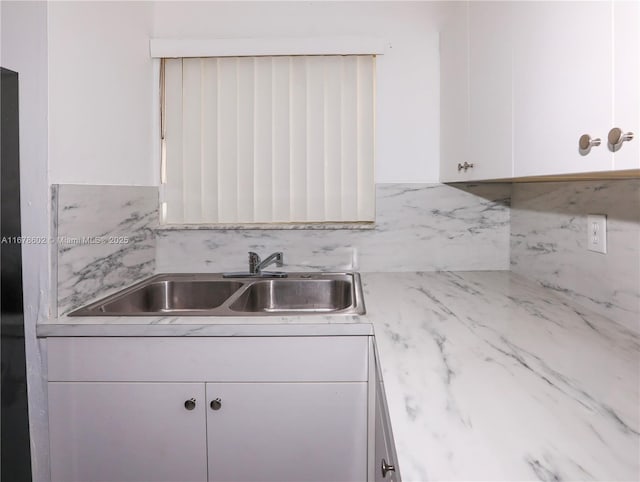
{"type": "Point", "coordinates": [256, 265]}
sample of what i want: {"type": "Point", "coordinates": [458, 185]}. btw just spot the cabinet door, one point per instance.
{"type": "Point", "coordinates": [287, 432]}
{"type": "Point", "coordinates": [385, 450]}
{"type": "Point", "coordinates": [476, 91]}
{"type": "Point", "coordinates": [562, 86]}
{"type": "Point", "coordinates": [626, 54]}
{"type": "Point", "coordinates": [490, 116]}
{"type": "Point", "coordinates": [454, 92]}
{"type": "Point", "coordinates": [127, 432]}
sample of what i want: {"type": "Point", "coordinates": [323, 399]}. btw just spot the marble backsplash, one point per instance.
{"type": "Point", "coordinates": [549, 243]}
{"type": "Point", "coordinates": [108, 237]}
{"type": "Point", "coordinates": [105, 240]}
{"type": "Point", "coordinates": [419, 227]}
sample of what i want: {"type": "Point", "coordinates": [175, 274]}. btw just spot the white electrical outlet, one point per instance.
{"type": "Point", "coordinates": [597, 233]}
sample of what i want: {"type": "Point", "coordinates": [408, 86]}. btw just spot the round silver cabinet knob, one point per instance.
{"type": "Point", "coordinates": [616, 138]}
{"type": "Point", "coordinates": [190, 404]}
{"type": "Point", "coordinates": [464, 166]}
{"type": "Point", "coordinates": [216, 404]}
{"type": "Point", "coordinates": [386, 468]}
{"type": "Point", "coordinates": [586, 143]}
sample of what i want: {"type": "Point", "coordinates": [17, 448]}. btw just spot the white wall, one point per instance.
{"type": "Point", "coordinates": [102, 88]}
{"type": "Point", "coordinates": [101, 93]}
{"type": "Point", "coordinates": [24, 50]}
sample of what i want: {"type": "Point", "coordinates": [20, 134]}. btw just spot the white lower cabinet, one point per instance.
{"type": "Point", "coordinates": [287, 432]}
{"type": "Point", "coordinates": [127, 432]}
{"type": "Point", "coordinates": [385, 458]}
{"type": "Point", "coordinates": [251, 416]}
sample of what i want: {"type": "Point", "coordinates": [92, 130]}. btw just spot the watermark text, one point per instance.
{"type": "Point", "coordinates": [65, 240]}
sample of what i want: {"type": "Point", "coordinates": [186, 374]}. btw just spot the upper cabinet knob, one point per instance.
{"type": "Point", "coordinates": [464, 166]}
{"type": "Point", "coordinates": [616, 138]}
{"type": "Point", "coordinates": [586, 143]}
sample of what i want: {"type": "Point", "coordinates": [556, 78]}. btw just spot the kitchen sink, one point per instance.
{"type": "Point", "coordinates": [214, 295]}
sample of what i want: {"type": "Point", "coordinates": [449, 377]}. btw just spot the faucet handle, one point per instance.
{"type": "Point", "coordinates": [254, 261]}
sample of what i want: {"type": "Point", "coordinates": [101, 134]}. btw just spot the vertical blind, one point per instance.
{"type": "Point", "coordinates": [268, 139]}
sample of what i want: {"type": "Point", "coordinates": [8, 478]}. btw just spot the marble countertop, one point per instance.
{"type": "Point", "coordinates": [491, 377]}
{"type": "Point", "coordinates": [317, 325]}
{"type": "Point", "coordinates": [488, 376]}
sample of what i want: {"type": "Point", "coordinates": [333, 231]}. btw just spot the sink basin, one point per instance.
{"type": "Point", "coordinates": [173, 295]}
{"type": "Point", "coordinates": [170, 294]}
{"type": "Point", "coordinates": [213, 295]}
{"type": "Point", "coordinates": [295, 295]}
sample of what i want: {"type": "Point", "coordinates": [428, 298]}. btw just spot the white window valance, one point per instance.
{"type": "Point", "coordinates": [253, 47]}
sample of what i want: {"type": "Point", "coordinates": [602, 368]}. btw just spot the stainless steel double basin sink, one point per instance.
{"type": "Point", "coordinates": [214, 295]}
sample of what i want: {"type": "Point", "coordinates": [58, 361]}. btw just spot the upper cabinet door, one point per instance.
{"type": "Point", "coordinates": [626, 88]}
{"type": "Point", "coordinates": [562, 86]}
{"type": "Point", "coordinates": [490, 90]}
{"type": "Point", "coordinates": [476, 91]}
{"type": "Point", "coordinates": [454, 91]}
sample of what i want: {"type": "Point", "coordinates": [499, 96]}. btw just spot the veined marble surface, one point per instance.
{"type": "Point", "coordinates": [205, 327]}
{"type": "Point", "coordinates": [194, 325]}
{"type": "Point", "coordinates": [549, 243]}
{"type": "Point", "coordinates": [419, 227]}
{"type": "Point", "coordinates": [105, 240]}
{"type": "Point", "coordinates": [488, 376]}
{"type": "Point", "coordinates": [266, 226]}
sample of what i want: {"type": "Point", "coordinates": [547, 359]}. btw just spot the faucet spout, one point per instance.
{"type": "Point", "coordinates": [256, 265]}
{"type": "Point", "coordinates": [277, 258]}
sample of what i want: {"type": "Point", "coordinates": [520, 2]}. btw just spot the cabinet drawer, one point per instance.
{"type": "Point", "coordinates": [242, 359]}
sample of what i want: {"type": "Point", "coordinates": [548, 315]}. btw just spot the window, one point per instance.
{"type": "Point", "coordinates": [282, 139]}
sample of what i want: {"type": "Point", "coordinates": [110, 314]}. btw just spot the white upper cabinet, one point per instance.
{"type": "Point", "coordinates": [490, 90]}
{"type": "Point", "coordinates": [535, 77]}
{"type": "Point", "coordinates": [475, 52]}
{"type": "Point", "coordinates": [626, 86]}
{"type": "Point", "coordinates": [454, 91]}
{"type": "Point", "coordinates": [562, 86]}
